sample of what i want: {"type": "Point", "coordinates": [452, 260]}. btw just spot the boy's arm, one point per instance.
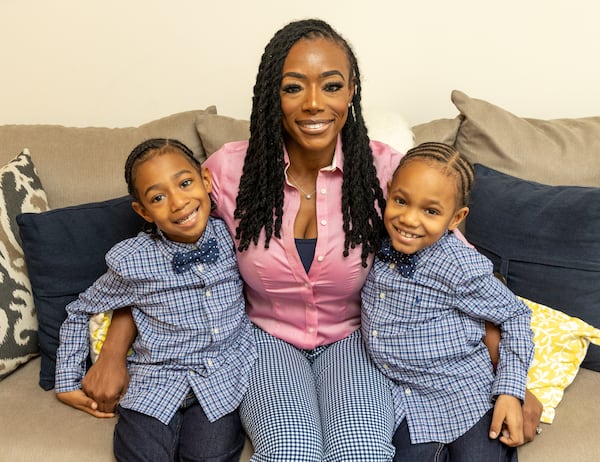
{"type": "Point", "coordinates": [107, 380]}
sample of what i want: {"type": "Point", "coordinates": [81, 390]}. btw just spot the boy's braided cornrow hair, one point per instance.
{"type": "Point", "coordinates": [260, 199]}
{"type": "Point", "coordinates": [450, 157]}
{"type": "Point", "coordinates": [152, 146]}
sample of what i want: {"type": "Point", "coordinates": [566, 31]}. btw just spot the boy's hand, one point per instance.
{"type": "Point", "coordinates": [79, 400]}
{"type": "Point", "coordinates": [507, 421]}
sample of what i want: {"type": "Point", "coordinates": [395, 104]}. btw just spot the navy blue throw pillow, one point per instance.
{"type": "Point", "coordinates": [544, 240]}
{"type": "Point", "coordinates": [64, 252]}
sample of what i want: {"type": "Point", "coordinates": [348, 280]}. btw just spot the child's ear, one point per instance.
{"type": "Point", "coordinates": [141, 211]}
{"type": "Point", "coordinates": [206, 178]}
{"type": "Point", "coordinates": [458, 217]}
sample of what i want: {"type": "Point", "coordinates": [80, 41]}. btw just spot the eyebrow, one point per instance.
{"type": "Point", "coordinates": [325, 74]}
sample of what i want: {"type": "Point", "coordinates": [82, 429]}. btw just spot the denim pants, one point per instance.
{"type": "Point", "coordinates": [188, 437]}
{"type": "Point", "coordinates": [474, 446]}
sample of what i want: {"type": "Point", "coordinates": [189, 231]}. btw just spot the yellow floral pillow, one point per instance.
{"type": "Point", "coordinates": [561, 343]}
{"type": "Point", "coordinates": [98, 328]}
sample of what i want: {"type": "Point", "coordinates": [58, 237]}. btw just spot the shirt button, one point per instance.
{"type": "Point", "coordinates": [382, 295]}
{"type": "Point", "coordinates": [311, 329]}
{"type": "Point", "coordinates": [392, 266]}
{"type": "Point", "coordinates": [208, 293]}
{"type": "Point", "coordinates": [385, 366]}
{"type": "Point", "coordinates": [374, 333]}
{"type": "Point", "coordinates": [216, 330]}
{"type": "Point", "coordinates": [200, 267]}
{"type": "Point", "coordinates": [323, 190]}
{"type": "Point", "coordinates": [323, 222]}
{"type": "Point", "coordinates": [307, 285]}
{"type": "Point", "coordinates": [407, 391]}
{"type": "Point", "coordinates": [209, 362]}
{"type": "Point", "coordinates": [320, 258]}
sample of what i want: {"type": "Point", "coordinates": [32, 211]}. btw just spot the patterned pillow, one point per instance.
{"type": "Point", "coordinates": [20, 191]}
{"type": "Point", "coordinates": [561, 342]}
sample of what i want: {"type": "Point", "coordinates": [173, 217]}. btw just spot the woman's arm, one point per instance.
{"type": "Point", "coordinates": [532, 408]}
{"type": "Point", "coordinates": [107, 380]}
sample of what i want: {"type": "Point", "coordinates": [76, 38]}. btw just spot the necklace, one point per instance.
{"type": "Point", "coordinates": [306, 195]}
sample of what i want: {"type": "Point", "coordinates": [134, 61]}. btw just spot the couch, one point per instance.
{"type": "Point", "coordinates": [62, 203]}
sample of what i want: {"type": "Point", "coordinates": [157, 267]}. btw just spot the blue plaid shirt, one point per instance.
{"type": "Point", "coordinates": [193, 332]}
{"type": "Point", "coordinates": [425, 333]}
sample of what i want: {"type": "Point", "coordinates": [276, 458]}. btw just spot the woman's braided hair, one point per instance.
{"type": "Point", "coordinates": [260, 199]}
{"type": "Point", "coordinates": [452, 162]}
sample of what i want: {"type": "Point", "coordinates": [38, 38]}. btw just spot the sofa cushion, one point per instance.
{"type": "Point", "coordinates": [64, 155]}
{"type": "Point", "coordinates": [20, 191]}
{"type": "Point", "coordinates": [544, 241]}
{"type": "Point", "coordinates": [64, 251]}
{"type": "Point", "coordinates": [561, 342]}
{"type": "Point", "coordinates": [216, 130]}
{"type": "Point", "coordinates": [553, 152]}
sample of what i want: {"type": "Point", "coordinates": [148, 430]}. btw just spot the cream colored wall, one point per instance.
{"type": "Point", "coordinates": [123, 62]}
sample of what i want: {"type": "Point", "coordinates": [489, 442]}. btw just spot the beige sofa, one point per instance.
{"type": "Point", "coordinates": [83, 165]}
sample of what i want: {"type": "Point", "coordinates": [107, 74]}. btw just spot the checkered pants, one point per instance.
{"type": "Point", "coordinates": [330, 404]}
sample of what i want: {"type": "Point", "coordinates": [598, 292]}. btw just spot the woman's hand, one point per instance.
{"type": "Point", "coordinates": [107, 380]}
{"type": "Point", "coordinates": [532, 413]}
{"type": "Point", "coordinates": [79, 400]}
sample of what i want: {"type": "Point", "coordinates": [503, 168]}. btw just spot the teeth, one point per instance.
{"type": "Point", "coordinates": [314, 126]}
{"type": "Point", "coordinates": [189, 217]}
{"type": "Point", "coordinates": [409, 235]}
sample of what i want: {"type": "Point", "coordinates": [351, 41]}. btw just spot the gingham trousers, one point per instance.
{"type": "Point", "coordinates": [330, 404]}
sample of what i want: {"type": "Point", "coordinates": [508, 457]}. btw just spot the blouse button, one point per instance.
{"type": "Point", "coordinates": [382, 295]}
{"type": "Point", "coordinates": [323, 190]}
{"type": "Point", "coordinates": [320, 258]}
{"type": "Point", "coordinates": [323, 222]}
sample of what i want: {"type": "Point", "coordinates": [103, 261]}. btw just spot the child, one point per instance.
{"type": "Point", "coordinates": [425, 303]}
{"type": "Point", "coordinates": [194, 349]}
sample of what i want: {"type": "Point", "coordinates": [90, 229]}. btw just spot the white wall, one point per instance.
{"type": "Point", "coordinates": [124, 62]}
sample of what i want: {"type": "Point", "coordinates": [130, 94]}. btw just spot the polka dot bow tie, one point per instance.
{"type": "Point", "coordinates": [207, 253]}
{"type": "Point", "coordinates": [405, 264]}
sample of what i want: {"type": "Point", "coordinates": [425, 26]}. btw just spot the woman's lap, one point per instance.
{"type": "Point", "coordinates": [333, 406]}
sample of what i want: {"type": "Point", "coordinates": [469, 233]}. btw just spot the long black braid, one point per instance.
{"type": "Point", "coordinates": [260, 199]}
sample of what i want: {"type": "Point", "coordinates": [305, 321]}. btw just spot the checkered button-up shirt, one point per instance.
{"type": "Point", "coordinates": [193, 332]}
{"type": "Point", "coordinates": [425, 332]}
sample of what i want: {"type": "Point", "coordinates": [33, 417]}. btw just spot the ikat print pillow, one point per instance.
{"type": "Point", "coordinates": [20, 191]}
{"type": "Point", "coordinates": [561, 342]}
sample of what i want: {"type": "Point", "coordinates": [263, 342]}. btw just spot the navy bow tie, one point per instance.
{"type": "Point", "coordinates": [405, 264]}
{"type": "Point", "coordinates": [207, 253]}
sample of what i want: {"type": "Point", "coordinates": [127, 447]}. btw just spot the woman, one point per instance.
{"type": "Point", "coordinates": [306, 220]}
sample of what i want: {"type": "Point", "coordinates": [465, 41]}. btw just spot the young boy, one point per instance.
{"type": "Point", "coordinates": [194, 349]}
{"type": "Point", "coordinates": [425, 303]}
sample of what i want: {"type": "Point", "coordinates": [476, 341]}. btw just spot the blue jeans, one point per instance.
{"type": "Point", "coordinates": [474, 446]}
{"type": "Point", "coordinates": [188, 437]}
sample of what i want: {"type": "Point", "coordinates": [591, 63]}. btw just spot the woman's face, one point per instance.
{"type": "Point", "coordinates": [316, 90]}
